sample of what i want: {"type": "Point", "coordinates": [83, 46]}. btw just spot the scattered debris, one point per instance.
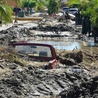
{"type": "Point", "coordinates": [71, 81]}
{"type": "Point", "coordinates": [75, 76]}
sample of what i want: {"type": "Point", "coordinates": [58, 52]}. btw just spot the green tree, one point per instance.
{"type": "Point", "coordinates": [88, 8]}
{"type": "Point", "coordinates": [30, 4]}
{"type": "Point", "coordinates": [6, 11]}
{"type": "Point", "coordinates": [41, 4]}
{"type": "Point", "coordinates": [53, 7]}
{"type": "Point", "coordinates": [36, 4]}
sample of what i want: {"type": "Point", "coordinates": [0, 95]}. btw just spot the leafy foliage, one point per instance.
{"type": "Point", "coordinates": [36, 4]}
{"type": "Point", "coordinates": [5, 13]}
{"type": "Point", "coordinates": [88, 8]}
{"type": "Point", "coordinates": [71, 2]}
{"type": "Point", "coordinates": [29, 4]}
{"type": "Point", "coordinates": [53, 7]}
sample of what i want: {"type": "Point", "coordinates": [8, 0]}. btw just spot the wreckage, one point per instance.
{"type": "Point", "coordinates": [74, 77]}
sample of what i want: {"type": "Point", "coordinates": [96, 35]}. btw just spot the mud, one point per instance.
{"type": "Point", "coordinates": [77, 80]}
{"type": "Point", "coordinates": [75, 77]}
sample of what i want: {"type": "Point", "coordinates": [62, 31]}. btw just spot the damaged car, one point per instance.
{"type": "Point", "coordinates": [38, 52]}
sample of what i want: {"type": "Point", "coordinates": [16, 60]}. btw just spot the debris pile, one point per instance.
{"type": "Point", "coordinates": [75, 76]}
{"type": "Point", "coordinates": [14, 33]}
{"type": "Point", "coordinates": [30, 81]}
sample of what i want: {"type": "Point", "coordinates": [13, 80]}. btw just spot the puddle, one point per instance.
{"type": "Point", "coordinates": [69, 44]}
{"type": "Point", "coordinates": [61, 44]}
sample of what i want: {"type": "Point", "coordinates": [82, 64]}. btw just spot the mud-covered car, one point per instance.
{"type": "Point", "coordinates": [38, 52]}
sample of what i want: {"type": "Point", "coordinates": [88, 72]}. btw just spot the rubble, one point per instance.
{"type": "Point", "coordinates": [13, 33]}
{"type": "Point", "coordinates": [31, 81]}
{"type": "Point", "coordinates": [75, 76]}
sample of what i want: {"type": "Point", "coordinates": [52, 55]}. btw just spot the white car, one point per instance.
{"type": "Point", "coordinates": [65, 9]}
{"type": "Point", "coordinates": [73, 11]}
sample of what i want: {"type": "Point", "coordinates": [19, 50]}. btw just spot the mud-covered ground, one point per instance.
{"type": "Point", "coordinates": [75, 77]}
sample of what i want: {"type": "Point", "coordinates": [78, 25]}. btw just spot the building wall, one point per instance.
{"type": "Point", "coordinates": [12, 3]}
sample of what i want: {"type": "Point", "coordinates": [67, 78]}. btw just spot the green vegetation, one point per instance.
{"type": "Point", "coordinates": [6, 11]}
{"type": "Point", "coordinates": [88, 8]}
{"type": "Point", "coordinates": [36, 4]}
{"type": "Point", "coordinates": [53, 7]}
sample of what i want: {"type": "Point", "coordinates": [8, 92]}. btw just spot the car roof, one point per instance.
{"type": "Point", "coordinates": [29, 43]}
{"type": "Point", "coordinates": [73, 8]}
{"type": "Point", "coordinates": [65, 7]}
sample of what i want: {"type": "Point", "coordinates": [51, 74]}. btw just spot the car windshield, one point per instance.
{"type": "Point", "coordinates": [65, 9]}
{"type": "Point", "coordinates": [33, 50]}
